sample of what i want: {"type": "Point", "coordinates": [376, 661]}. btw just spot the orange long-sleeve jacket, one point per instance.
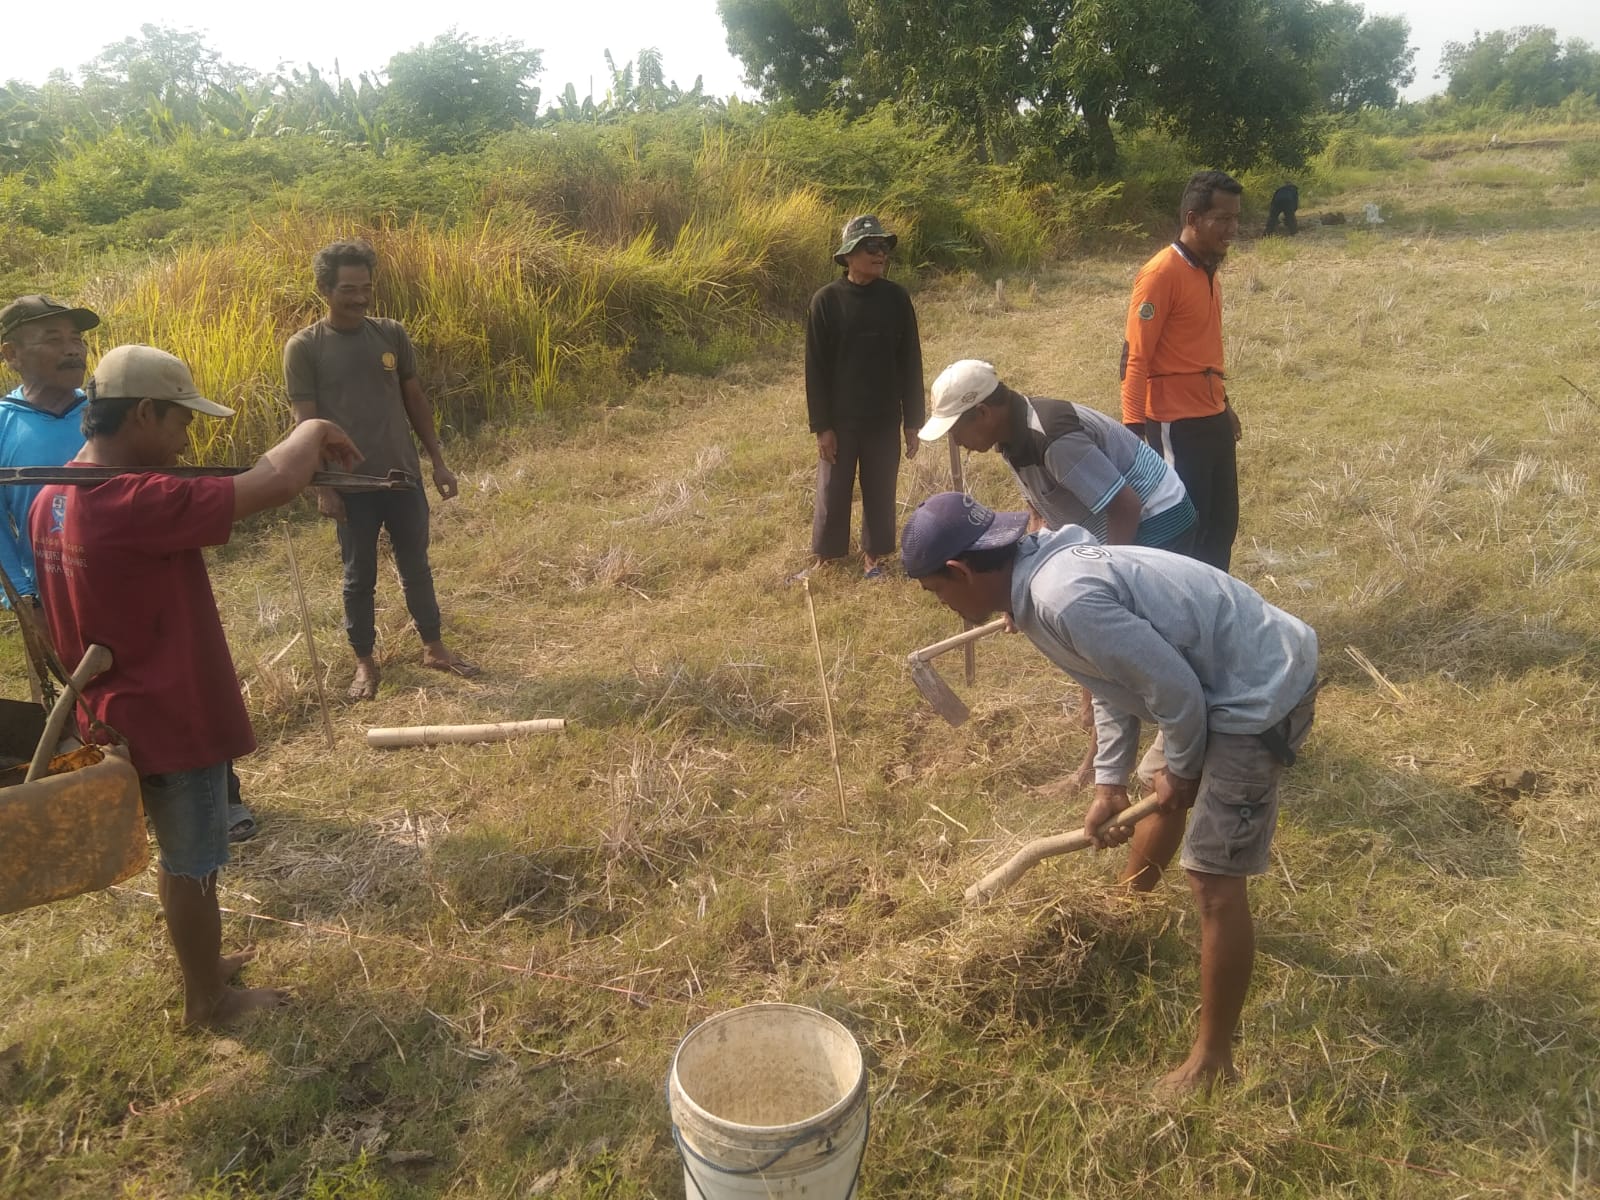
{"type": "Point", "coordinates": [1172, 348]}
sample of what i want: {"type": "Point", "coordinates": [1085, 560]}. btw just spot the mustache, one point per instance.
{"type": "Point", "coordinates": [71, 363]}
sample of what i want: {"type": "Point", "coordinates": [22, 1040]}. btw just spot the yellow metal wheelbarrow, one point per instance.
{"type": "Point", "coordinates": [69, 823]}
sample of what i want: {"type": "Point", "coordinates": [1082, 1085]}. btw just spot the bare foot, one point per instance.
{"type": "Point", "coordinates": [365, 685]}
{"type": "Point", "coordinates": [437, 658]}
{"type": "Point", "coordinates": [1196, 1076]}
{"type": "Point", "coordinates": [230, 1004]}
{"type": "Point", "coordinates": [229, 965]}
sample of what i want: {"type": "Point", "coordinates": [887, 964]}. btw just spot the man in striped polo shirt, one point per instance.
{"type": "Point", "coordinates": [1075, 465]}
{"type": "Point", "coordinates": [1173, 394]}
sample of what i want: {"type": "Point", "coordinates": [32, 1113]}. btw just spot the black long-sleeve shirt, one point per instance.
{"type": "Point", "coordinates": [863, 357]}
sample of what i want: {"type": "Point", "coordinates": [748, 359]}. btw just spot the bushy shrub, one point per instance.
{"type": "Point", "coordinates": [1583, 162]}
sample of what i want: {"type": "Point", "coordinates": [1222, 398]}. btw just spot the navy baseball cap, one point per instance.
{"type": "Point", "coordinates": [946, 526]}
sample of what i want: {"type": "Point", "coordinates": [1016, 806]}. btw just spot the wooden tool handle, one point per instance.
{"type": "Point", "coordinates": [960, 639]}
{"type": "Point", "coordinates": [432, 735]}
{"type": "Point", "coordinates": [1036, 851]}
{"type": "Point", "coordinates": [96, 660]}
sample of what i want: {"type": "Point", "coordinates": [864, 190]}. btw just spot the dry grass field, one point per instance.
{"type": "Point", "coordinates": [495, 949]}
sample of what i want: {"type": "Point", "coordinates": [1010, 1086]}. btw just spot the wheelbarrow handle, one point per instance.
{"type": "Point", "coordinates": [96, 660]}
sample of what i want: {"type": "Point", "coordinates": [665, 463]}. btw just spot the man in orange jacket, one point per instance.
{"type": "Point", "coordinates": [1173, 394]}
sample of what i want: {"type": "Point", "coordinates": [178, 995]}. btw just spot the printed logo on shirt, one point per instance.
{"type": "Point", "coordinates": [388, 360]}
{"type": "Point", "coordinates": [1090, 552]}
{"type": "Point", "coordinates": [58, 514]}
{"type": "Point", "coordinates": [1147, 311]}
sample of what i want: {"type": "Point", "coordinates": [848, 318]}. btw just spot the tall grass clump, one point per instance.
{"type": "Point", "coordinates": [510, 314]}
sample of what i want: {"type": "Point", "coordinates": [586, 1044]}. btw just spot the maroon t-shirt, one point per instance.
{"type": "Point", "coordinates": [119, 563]}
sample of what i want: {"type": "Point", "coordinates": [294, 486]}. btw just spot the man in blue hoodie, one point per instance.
{"type": "Point", "coordinates": [1228, 680]}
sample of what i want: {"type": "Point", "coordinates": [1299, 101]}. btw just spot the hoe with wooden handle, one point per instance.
{"type": "Point", "coordinates": [1036, 851]}
{"type": "Point", "coordinates": [933, 688]}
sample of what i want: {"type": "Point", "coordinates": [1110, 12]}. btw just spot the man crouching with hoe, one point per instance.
{"type": "Point", "coordinates": [120, 565]}
{"type": "Point", "coordinates": [1228, 680]}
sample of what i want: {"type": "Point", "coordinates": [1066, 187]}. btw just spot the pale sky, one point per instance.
{"type": "Point", "coordinates": [574, 36]}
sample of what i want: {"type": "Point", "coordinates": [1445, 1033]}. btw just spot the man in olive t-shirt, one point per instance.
{"type": "Point", "coordinates": [361, 373]}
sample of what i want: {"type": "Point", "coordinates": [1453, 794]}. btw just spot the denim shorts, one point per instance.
{"type": "Point", "coordinates": [189, 812]}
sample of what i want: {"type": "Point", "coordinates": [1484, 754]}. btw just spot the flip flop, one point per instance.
{"type": "Point", "coordinates": [363, 688]}
{"type": "Point", "coordinates": [875, 573]}
{"type": "Point", "coordinates": [457, 666]}
{"type": "Point", "coordinates": [243, 829]}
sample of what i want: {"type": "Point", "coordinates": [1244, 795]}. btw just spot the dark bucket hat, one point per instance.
{"type": "Point", "coordinates": [858, 229]}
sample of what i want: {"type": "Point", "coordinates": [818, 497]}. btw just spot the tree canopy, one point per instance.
{"type": "Point", "coordinates": [1525, 67]}
{"type": "Point", "coordinates": [1238, 79]}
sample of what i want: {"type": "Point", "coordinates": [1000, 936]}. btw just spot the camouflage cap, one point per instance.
{"type": "Point", "coordinates": [858, 228]}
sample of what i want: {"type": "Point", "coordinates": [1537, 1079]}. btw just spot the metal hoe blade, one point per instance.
{"type": "Point", "coordinates": [937, 692]}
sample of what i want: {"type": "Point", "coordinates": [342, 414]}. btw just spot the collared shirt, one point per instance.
{"type": "Point", "coordinates": [1172, 344]}
{"type": "Point", "coordinates": [30, 437]}
{"type": "Point", "coordinates": [1161, 638]}
{"type": "Point", "coordinates": [1071, 461]}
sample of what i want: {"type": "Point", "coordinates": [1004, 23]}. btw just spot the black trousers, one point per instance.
{"type": "Point", "coordinates": [1290, 226]}
{"type": "Point", "coordinates": [405, 515]}
{"type": "Point", "coordinates": [1201, 450]}
{"type": "Point", "coordinates": [874, 455]}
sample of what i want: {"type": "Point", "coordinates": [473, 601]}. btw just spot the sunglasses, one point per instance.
{"type": "Point", "coordinates": [874, 245]}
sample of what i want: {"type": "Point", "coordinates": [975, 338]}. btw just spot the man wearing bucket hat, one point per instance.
{"type": "Point", "coordinates": [863, 395]}
{"type": "Point", "coordinates": [1227, 679]}
{"type": "Point", "coordinates": [120, 565]}
{"type": "Point", "coordinates": [1074, 464]}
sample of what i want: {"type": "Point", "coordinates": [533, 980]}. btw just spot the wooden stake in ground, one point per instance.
{"type": "Point", "coordinates": [969, 652]}
{"type": "Point", "coordinates": [827, 700]}
{"type": "Point", "coordinates": [311, 641]}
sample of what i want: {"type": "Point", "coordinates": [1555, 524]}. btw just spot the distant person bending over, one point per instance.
{"type": "Point", "coordinates": [1172, 382]}
{"type": "Point", "coordinates": [41, 425]}
{"type": "Point", "coordinates": [1229, 680]}
{"type": "Point", "coordinates": [1285, 203]}
{"type": "Point", "coordinates": [863, 396]}
{"type": "Point", "coordinates": [1075, 466]}
{"type": "Point", "coordinates": [361, 372]}
{"type": "Point", "coordinates": [120, 565]}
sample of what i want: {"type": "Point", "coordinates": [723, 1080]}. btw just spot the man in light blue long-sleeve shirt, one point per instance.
{"type": "Point", "coordinates": [1228, 680]}
{"type": "Point", "coordinates": [41, 340]}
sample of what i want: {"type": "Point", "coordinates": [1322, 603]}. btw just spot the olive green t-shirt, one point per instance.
{"type": "Point", "coordinates": [353, 377]}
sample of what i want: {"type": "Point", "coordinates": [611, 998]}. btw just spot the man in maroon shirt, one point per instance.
{"type": "Point", "coordinates": [120, 565]}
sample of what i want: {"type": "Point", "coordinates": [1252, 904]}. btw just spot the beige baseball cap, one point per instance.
{"type": "Point", "coordinates": [960, 386]}
{"type": "Point", "coordinates": [143, 372]}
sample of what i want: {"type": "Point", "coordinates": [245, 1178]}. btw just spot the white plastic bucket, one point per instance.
{"type": "Point", "coordinates": [769, 1100]}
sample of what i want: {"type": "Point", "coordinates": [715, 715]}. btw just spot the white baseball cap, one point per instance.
{"type": "Point", "coordinates": [143, 372]}
{"type": "Point", "coordinates": [959, 387]}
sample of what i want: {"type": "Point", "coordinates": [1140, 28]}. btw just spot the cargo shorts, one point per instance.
{"type": "Point", "coordinates": [1236, 809]}
{"type": "Point", "coordinates": [189, 812]}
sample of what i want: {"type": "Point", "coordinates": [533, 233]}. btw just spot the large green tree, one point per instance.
{"type": "Point", "coordinates": [1229, 76]}
{"type": "Point", "coordinates": [1362, 61]}
{"type": "Point", "coordinates": [456, 90]}
{"type": "Point", "coordinates": [800, 52]}
{"type": "Point", "coordinates": [1525, 67]}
